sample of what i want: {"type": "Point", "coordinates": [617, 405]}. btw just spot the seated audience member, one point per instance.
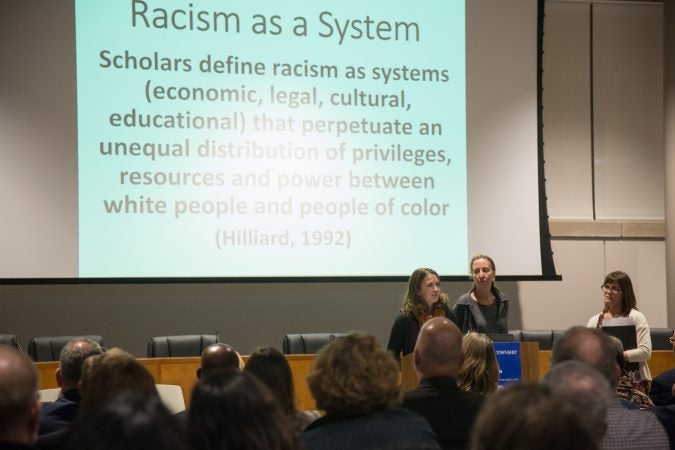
{"type": "Point", "coordinates": [627, 388]}
{"type": "Point", "coordinates": [269, 366]}
{"type": "Point", "coordinates": [218, 356]}
{"type": "Point", "coordinates": [107, 375]}
{"type": "Point", "coordinates": [129, 421]}
{"type": "Point", "coordinates": [61, 413]}
{"type": "Point", "coordinates": [104, 377]}
{"type": "Point", "coordinates": [480, 371]}
{"type": "Point", "coordinates": [586, 386]}
{"type": "Point", "coordinates": [215, 357]}
{"type": "Point", "coordinates": [531, 417]}
{"type": "Point", "coordinates": [19, 403]}
{"type": "Point", "coordinates": [662, 391]}
{"type": "Point", "coordinates": [233, 410]}
{"type": "Point", "coordinates": [355, 381]}
{"type": "Point", "coordinates": [626, 428]}
{"type": "Point", "coordinates": [449, 410]}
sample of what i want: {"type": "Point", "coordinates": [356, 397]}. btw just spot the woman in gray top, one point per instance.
{"type": "Point", "coordinates": [484, 308]}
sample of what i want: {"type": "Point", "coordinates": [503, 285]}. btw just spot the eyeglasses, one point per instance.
{"type": "Point", "coordinates": [610, 288]}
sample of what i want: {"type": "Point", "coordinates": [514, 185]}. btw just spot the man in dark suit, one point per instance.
{"type": "Point", "coordinates": [449, 410]}
{"type": "Point", "coordinates": [59, 415]}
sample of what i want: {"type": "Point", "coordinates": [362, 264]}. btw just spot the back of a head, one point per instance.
{"type": "Point", "coordinates": [71, 358]}
{"type": "Point", "coordinates": [233, 410]}
{"type": "Point", "coordinates": [480, 370]}
{"type": "Point", "coordinates": [218, 356]}
{"type": "Point", "coordinates": [589, 345]}
{"type": "Point", "coordinates": [18, 393]}
{"type": "Point", "coordinates": [531, 417]}
{"type": "Point", "coordinates": [109, 374]}
{"type": "Point", "coordinates": [353, 374]}
{"type": "Point", "coordinates": [585, 385]}
{"type": "Point", "coordinates": [130, 421]}
{"type": "Point", "coordinates": [439, 348]}
{"type": "Point", "coordinates": [269, 366]}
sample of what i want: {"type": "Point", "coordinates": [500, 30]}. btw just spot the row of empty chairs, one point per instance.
{"type": "Point", "coordinates": [49, 348]}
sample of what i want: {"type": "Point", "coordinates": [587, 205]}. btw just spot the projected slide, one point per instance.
{"type": "Point", "coordinates": [271, 139]}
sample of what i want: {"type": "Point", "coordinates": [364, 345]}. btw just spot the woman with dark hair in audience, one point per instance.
{"type": "Point", "coordinates": [619, 302]}
{"type": "Point", "coordinates": [270, 366]}
{"type": "Point", "coordinates": [479, 371]}
{"type": "Point", "coordinates": [355, 381]}
{"type": "Point", "coordinates": [233, 410]}
{"type": "Point", "coordinates": [423, 300]}
{"type": "Point", "coordinates": [484, 308]}
{"type": "Point", "coordinates": [128, 421]}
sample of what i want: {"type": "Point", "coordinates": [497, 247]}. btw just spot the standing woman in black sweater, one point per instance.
{"type": "Point", "coordinates": [422, 301]}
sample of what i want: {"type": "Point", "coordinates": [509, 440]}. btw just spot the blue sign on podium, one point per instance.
{"type": "Point", "coordinates": [508, 358]}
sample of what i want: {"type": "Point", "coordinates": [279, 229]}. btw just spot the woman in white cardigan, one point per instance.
{"type": "Point", "coordinates": [619, 301]}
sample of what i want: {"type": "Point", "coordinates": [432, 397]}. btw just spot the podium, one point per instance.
{"type": "Point", "coordinates": [518, 361]}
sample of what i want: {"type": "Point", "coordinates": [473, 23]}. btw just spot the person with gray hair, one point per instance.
{"type": "Point", "coordinates": [587, 387]}
{"type": "Point", "coordinates": [531, 417]}
{"type": "Point", "coordinates": [19, 402]}
{"type": "Point", "coordinates": [59, 415]}
{"type": "Point", "coordinates": [627, 429]}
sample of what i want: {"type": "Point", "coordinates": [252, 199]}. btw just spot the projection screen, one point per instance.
{"type": "Point", "coordinates": [176, 140]}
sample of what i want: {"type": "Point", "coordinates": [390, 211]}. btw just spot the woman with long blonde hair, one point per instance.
{"type": "Point", "coordinates": [479, 372]}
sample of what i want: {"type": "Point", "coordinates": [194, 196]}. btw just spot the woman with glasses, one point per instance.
{"type": "Point", "coordinates": [620, 302]}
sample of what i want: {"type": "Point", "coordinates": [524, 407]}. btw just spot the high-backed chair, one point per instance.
{"type": "Point", "coordinates": [543, 337]}
{"type": "Point", "coordinates": [307, 343]}
{"type": "Point", "coordinates": [10, 339]}
{"type": "Point", "coordinates": [660, 338]}
{"type": "Point", "coordinates": [180, 345]}
{"type": "Point", "coordinates": [48, 348]}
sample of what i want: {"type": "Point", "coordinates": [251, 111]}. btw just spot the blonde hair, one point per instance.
{"type": "Point", "coordinates": [479, 372]}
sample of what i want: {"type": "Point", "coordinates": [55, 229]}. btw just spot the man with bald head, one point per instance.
{"type": "Point", "coordinates": [450, 410]}
{"type": "Point", "coordinates": [19, 403]}
{"type": "Point", "coordinates": [218, 356]}
{"type": "Point", "coordinates": [214, 357]}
